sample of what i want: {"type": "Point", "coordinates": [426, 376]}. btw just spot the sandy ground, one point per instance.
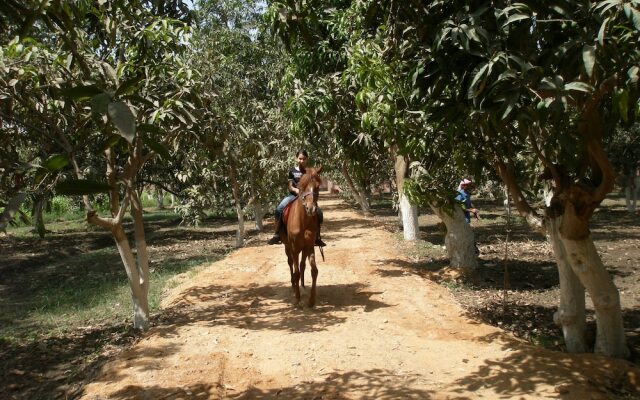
{"type": "Point", "coordinates": [378, 331]}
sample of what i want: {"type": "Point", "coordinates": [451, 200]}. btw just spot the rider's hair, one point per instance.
{"type": "Point", "coordinates": [303, 152]}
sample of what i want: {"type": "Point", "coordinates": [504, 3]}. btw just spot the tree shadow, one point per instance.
{"type": "Point", "coordinates": [524, 368]}
{"type": "Point", "coordinates": [370, 384]}
{"type": "Point", "coordinates": [196, 391]}
{"type": "Point", "coordinates": [54, 366]}
{"type": "Point", "coordinates": [258, 307]}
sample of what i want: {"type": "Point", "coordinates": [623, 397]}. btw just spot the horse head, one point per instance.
{"type": "Point", "coordinates": [310, 189]}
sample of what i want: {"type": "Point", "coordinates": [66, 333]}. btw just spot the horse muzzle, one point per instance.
{"type": "Point", "coordinates": [311, 211]}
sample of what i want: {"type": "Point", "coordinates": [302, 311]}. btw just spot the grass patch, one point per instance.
{"type": "Point", "coordinates": [76, 278]}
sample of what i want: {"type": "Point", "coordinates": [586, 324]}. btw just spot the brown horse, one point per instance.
{"type": "Point", "coordinates": [301, 232]}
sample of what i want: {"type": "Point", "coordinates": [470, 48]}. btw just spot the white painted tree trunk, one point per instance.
{"type": "Point", "coordinates": [631, 194]}
{"type": "Point", "coordinates": [159, 198]}
{"type": "Point", "coordinates": [137, 283]}
{"type": "Point", "coordinates": [173, 200]}
{"type": "Point", "coordinates": [140, 303]}
{"type": "Point", "coordinates": [259, 215]}
{"type": "Point", "coordinates": [409, 212]}
{"type": "Point", "coordinates": [459, 239]}
{"type": "Point", "coordinates": [235, 188]}
{"type": "Point", "coordinates": [571, 315]}
{"type": "Point", "coordinates": [587, 265]}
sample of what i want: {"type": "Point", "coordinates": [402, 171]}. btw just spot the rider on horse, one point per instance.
{"type": "Point", "coordinates": [295, 174]}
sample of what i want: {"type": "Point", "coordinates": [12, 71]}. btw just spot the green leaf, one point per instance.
{"type": "Point", "coordinates": [514, 18]}
{"type": "Point", "coordinates": [123, 119]}
{"type": "Point", "coordinates": [99, 104]}
{"type": "Point", "coordinates": [632, 73]}
{"type": "Point", "coordinates": [150, 128]}
{"type": "Point", "coordinates": [81, 92]}
{"type": "Point", "coordinates": [127, 85]}
{"type": "Point", "coordinates": [578, 86]}
{"type": "Point", "coordinates": [589, 58]}
{"type": "Point", "coordinates": [621, 100]}
{"type": "Point", "coordinates": [157, 147]}
{"type": "Point", "coordinates": [602, 30]}
{"type": "Point", "coordinates": [109, 143]}
{"type": "Point", "coordinates": [81, 186]}
{"type": "Point", "coordinates": [56, 162]}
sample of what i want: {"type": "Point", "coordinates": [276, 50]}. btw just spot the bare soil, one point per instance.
{"type": "Point", "coordinates": [383, 327]}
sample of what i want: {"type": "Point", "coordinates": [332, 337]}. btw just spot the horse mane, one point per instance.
{"type": "Point", "coordinates": [309, 175]}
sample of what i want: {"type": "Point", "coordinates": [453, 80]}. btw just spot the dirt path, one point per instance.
{"type": "Point", "coordinates": [379, 331]}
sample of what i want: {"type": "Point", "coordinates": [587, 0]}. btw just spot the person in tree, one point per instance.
{"type": "Point", "coordinates": [295, 174]}
{"type": "Point", "coordinates": [464, 196]}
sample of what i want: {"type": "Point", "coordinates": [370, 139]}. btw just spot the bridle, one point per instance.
{"type": "Point", "coordinates": [315, 199]}
{"type": "Point", "coordinates": [307, 193]}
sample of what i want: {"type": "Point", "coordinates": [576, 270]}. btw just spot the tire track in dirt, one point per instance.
{"type": "Point", "coordinates": [379, 331]}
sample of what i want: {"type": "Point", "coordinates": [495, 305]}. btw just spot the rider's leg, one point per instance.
{"type": "Point", "coordinates": [275, 239]}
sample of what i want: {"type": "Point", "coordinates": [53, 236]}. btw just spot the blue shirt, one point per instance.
{"type": "Point", "coordinates": [465, 198]}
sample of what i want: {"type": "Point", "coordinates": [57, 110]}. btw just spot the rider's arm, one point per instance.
{"type": "Point", "coordinates": [292, 188]}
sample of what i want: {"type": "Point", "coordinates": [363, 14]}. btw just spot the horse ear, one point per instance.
{"type": "Point", "coordinates": [319, 169]}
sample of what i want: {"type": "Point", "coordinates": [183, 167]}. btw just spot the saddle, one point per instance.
{"type": "Point", "coordinates": [285, 212]}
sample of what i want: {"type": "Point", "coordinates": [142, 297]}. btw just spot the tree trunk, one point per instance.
{"type": "Point", "coordinates": [159, 198]}
{"type": "Point", "coordinates": [631, 189]}
{"type": "Point", "coordinates": [140, 303]}
{"type": "Point", "coordinates": [408, 211]}
{"type": "Point", "coordinates": [571, 315]}
{"type": "Point", "coordinates": [360, 198]}
{"type": "Point", "coordinates": [259, 213]}
{"type": "Point", "coordinates": [138, 292]}
{"type": "Point", "coordinates": [11, 209]}
{"type": "Point", "coordinates": [587, 265]}
{"type": "Point", "coordinates": [235, 188]}
{"type": "Point", "coordinates": [459, 239]}
{"type": "Point", "coordinates": [38, 218]}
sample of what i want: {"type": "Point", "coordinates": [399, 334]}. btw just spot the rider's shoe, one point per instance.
{"type": "Point", "coordinates": [274, 240]}
{"type": "Point", "coordinates": [320, 243]}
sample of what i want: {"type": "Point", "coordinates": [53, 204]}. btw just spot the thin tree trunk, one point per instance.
{"type": "Point", "coordinates": [38, 218]}
{"type": "Point", "coordinates": [459, 239]}
{"type": "Point", "coordinates": [159, 198]}
{"type": "Point", "coordinates": [408, 211]}
{"type": "Point", "coordinates": [258, 209]}
{"type": "Point", "coordinates": [360, 198]}
{"type": "Point", "coordinates": [259, 215]}
{"type": "Point", "coordinates": [571, 315]}
{"type": "Point", "coordinates": [235, 188]}
{"type": "Point", "coordinates": [138, 294]}
{"type": "Point", "coordinates": [141, 303]}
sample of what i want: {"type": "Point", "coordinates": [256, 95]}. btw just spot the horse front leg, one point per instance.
{"type": "Point", "coordinates": [290, 262]}
{"type": "Point", "coordinates": [295, 278]}
{"type": "Point", "coordinates": [314, 277]}
{"type": "Point", "coordinates": [302, 267]}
